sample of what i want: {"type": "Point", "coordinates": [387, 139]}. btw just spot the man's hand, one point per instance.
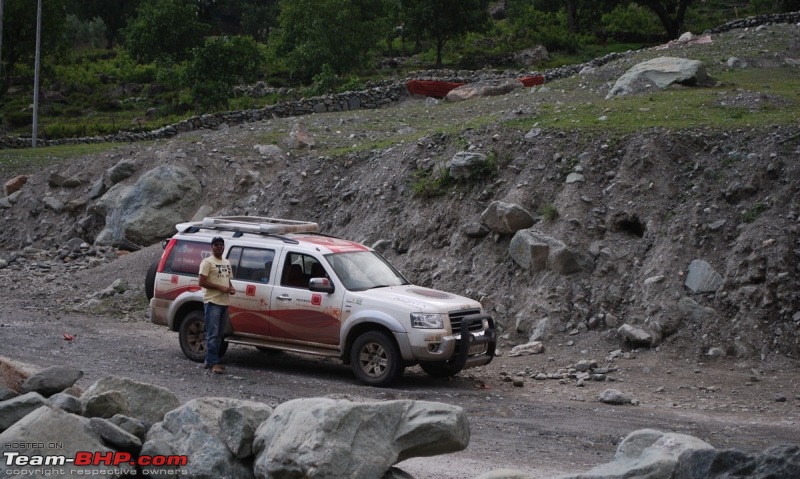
{"type": "Point", "coordinates": [231, 290]}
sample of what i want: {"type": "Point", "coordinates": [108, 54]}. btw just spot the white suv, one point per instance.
{"type": "Point", "coordinates": [301, 291]}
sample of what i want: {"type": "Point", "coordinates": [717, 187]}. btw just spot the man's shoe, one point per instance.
{"type": "Point", "coordinates": [206, 366]}
{"type": "Point", "coordinates": [217, 369]}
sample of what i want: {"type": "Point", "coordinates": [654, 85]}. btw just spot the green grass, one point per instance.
{"type": "Point", "coordinates": [18, 161]}
{"type": "Point", "coordinates": [677, 107]}
{"type": "Point", "coordinates": [549, 212]}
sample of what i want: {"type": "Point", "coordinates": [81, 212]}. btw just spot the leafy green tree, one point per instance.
{"type": "Point", "coordinates": [218, 66]}
{"type": "Point", "coordinates": [671, 13]}
{"type": "Point", "coordinates": [114, 14]}
{"type": "Point", "coordinates": [339, 33]}
{"type": "Point", "coordinates": [258, 18]}
{"type": "Point", "coordinates": [167, 28]}
{"type": "Point", "coordinates": [445, 20]}
{"type": "Point", "coordinates": [632, 22]}
{"type": "Point", "coordinates": [775, 6]}
{"type": "Point", "coordinates": [19, 32]}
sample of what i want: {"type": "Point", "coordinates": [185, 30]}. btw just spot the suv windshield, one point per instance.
{"type": "Point", "coordinates": [363, 270]}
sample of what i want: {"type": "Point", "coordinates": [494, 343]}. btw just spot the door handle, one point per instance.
{"type": "Point", "coordinates": [283, 297]}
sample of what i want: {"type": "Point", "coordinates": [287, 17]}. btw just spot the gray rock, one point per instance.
{"type": "Point", "coordinates": [661, 71]}
{"type": "Point", "coordinates": [53, 203]}
{"type": "Point", "coordinates": [18, 407]}
{"type": "Point", "coordinates": [122, 170]}
{"type": "Point", "coordinates": [148, 211]}
{"type": "Point", "coordinates": [702, 278]}
{"type": "Point", "coordinates": [616, 397]}
{"type": "Point", "coordinates": [115, 436]}
{"type": "Point", "coordinates": [635, 335]}
{"type": "Point", "coordinates": [646, 453]}
{"type": "Point", "coordinates": [506, 218]}
{"type": "Point", "coordinates": [145, 402]}
{"type": "Point", "coordinates": [58, 433]}
{"type": "Point", "coordinates": [464, 163]}
{"type": "Point", "coordinates": [51, 380]}
{"type": "Point", "coordinates": [535, 347]}
{"type": "Point", "coordinates": [542, 332]}
{"type": "Point", "coordinates": [782, 461]}
{"type": "Point", "coordinates": [322, 437]}
{"type": "Point", "coordinates": [105, 404]}
{"type": "Point", "coordinates": [66, 402]}
{"type": "Point", "coordinates": [129, 424]}
{"type": "Point", "coordinates": [204, 428]}
{"type": "Point", "coordinates": [271, 152]}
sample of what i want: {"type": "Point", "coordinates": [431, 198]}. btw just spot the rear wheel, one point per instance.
{"type": "Point", "coordinates": [150, 280]}
{"type": "Point", "coordinates": [192, 337]}
{"type": "Point", "coordinates": [375, 359]}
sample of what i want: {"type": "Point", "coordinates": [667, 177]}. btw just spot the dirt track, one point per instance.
{"type": "Point", "coordinates": [543, 428]}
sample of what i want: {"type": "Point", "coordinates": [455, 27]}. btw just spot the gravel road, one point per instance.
{"type": "Point", "coordinates": [544, 427]}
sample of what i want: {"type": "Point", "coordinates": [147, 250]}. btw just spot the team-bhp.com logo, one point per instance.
{"type": "Point", "coordinates": [122, 463]}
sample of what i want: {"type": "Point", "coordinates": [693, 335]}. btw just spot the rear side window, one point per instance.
{"type": "Point", "coordinates": [185, 257]}
{"type": "Point", "coordinates": [251, 264]}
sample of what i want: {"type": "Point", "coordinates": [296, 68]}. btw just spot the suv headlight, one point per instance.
{"type": "Point", "coordinates": [427, 320]}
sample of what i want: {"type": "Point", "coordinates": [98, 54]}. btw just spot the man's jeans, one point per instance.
{"type": "Point", "coordinates": [215, 315]}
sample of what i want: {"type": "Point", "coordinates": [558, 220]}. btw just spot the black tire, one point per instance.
{"type": "Point", "coordinates": [192, 337]}
{"type": "Point", "coordinates": [438, 370]}
{"type": "Point", "coordinates": [375, 359]}
{"type": "Point", "coordinates": [150, 280]}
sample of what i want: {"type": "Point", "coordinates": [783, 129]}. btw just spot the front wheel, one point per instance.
{"type": "Point", "coordinates": [375, 359]}
{"type": "Point", "coordinates": [192, 337]}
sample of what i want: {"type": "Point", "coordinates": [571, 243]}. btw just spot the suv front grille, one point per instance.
{"type": "Point", "coordinates": [457, 316]}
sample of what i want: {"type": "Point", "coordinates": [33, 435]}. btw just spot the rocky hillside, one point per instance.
{"type": "Point", "coordinates": [683, 236]}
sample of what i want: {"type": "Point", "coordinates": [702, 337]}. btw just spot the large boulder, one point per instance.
{"type": "Point", "coordinates": [330, 438]}
{"type": "Point", "coordinates": [18, 407]}
{"type": "Point", "coordinates": [216, 432]}
{"type": "Point", "coordinates": [147, 211]}
{"type": "Point", "coordinates": [51, 380]}
{"type": "Point", "coordinates": [662, 72]}
{"type": "Point", "coordinates": [53, 432]}
{"type": "Point", "coordinates": [145, 402]}
{"type": "Point", "coordinates": [646, 453]}
{"type": "Point", "coordinates": [536, 251]}
{"type": "Point", "coordinates": [506, 218]}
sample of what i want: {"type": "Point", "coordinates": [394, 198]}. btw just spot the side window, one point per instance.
{"type": "Point", "coordinates": [251, 264]}
{"type": "Point", "coordinates": [185, 257]}
{"type": "Point", "coordinates": [299, 268]}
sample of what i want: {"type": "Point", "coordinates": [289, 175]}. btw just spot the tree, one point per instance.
{"type": "Point", "coordinates": [114, 14]}
{"type": "Point", "coordinates": [672, 13]}
{"type": "Point", "coordinates": [339, 33]}
{"type": "Point", "coordinates": [168, 28]}
{"type": "Point", "coordinates": [19, 32]}
{"type": "Point", "coordinates": [219, 65]}
{"type": "Point", "coordinates": [444, 20]}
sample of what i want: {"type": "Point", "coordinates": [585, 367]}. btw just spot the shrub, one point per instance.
{"type": "Point", "coordinates": [430, 183]}
{"type": "Point", "coordinates": [548, 211]}
{"type": "Point", "coordinates": [219, 65]}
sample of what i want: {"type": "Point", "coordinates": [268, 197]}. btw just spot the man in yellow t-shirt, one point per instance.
{"type": "Point", "coordinates": [215, 279]}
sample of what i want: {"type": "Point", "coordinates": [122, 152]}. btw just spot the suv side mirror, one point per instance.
{"type": "Point", "coordinates": [320, 285]}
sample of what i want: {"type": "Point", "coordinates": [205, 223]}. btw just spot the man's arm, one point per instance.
{"type": "Point", "coordinates": [205, 283]}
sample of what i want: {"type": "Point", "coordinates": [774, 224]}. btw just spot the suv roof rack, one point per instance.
{"type": "Point", "coordinates": [259, 224]}
{"type": "Point", "coordinates": [250, 224]}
